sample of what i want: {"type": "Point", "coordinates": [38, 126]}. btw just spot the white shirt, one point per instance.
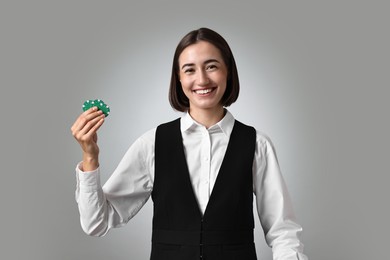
{"type": "Point", "coordinates": [131, 184]}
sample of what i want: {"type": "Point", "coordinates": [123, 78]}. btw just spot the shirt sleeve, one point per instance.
{"type": "Point", "coordinates": [274, 207]}
{"type": "Point", "coordinates": [124, 193]}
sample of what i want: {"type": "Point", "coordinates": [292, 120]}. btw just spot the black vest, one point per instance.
{"type": "Point", "coordinates": [225, 231]}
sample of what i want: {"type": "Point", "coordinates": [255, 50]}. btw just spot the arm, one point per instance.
{"type": "Point", "coordinates": [274, 205]}
{"type": "Point", "coordinates": [122, 196]}
{"type": "Point", "coordinates": [127, 189]}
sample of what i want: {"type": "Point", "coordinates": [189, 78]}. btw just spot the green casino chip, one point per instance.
{"type": "Point", "coordinates": [97, 103]}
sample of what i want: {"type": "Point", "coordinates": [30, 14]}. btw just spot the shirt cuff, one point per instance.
{"type": "Point", "coordinates": [87, 181]}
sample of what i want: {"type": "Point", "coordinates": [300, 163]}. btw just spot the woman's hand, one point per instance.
{"type": "Point", "coordinates": [84, 130]}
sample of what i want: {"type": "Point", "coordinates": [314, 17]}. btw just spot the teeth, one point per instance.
{"type": "Point", "coordinates": [203, 91]}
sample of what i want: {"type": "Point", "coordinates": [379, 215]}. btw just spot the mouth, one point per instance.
{"type": "Point", "coordinates": [204, 91]}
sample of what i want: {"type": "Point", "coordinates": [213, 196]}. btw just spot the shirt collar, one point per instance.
{"type": "Point", "coordinates": [187, 123]}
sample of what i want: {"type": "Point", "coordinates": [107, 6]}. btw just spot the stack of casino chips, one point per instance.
{"type": "Point", "coordinates": [97, 103]}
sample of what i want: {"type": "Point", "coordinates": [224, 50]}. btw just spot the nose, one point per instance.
{"type": "Point", "coordinates": [203, 78]}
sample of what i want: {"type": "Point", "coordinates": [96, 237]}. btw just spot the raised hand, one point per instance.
{"type": "Point", "coordinates": [84, 130]}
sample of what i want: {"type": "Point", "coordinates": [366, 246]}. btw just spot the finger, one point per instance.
{"type": "Point", "coordinates": [81, 117]}
{"type": "Point", "coordinates": [90, 126]}
{"type": "Point", "coordinates": [91, 135]}
{"type": "Point", "coordinates": [83, 124]}
{"type": "Point", "coordinates": [92, 110]}
{"type": "Point", "coordinates": [92, 132]}
{"type": "Point", "coordinates": [85, 118]}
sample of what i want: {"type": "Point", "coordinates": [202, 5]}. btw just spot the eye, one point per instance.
{"type": "Point", "coordinates": [189, 71]}
{"type": "Point", "coordinates": [211, 67]}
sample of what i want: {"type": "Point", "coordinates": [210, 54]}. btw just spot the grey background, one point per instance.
{"type": "Point", "coordinates": [314, 77]}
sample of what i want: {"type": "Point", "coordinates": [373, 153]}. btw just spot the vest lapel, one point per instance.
{"type": "Point", "coordinates": [228, 156]}
{"type": "Point", "coordinates": [185, 171]}
{"type": "Point", "coordinates": [220, 175]}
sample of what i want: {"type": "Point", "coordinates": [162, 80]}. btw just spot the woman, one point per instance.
{"type": "Point", "coordinates": [201, 170]}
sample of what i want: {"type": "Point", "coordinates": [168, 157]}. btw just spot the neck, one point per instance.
{"type": "Point", "coordinates": [207, 117]}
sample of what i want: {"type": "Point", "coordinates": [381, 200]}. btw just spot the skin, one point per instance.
{"type": "Point", "coordinates": [84, 130]}
{"type": "Point", "coordinates": [203, 76]}
{"type": "Point", "coordinates": [201, 68]}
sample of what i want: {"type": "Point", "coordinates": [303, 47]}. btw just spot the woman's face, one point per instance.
{"type": "Point", "coordinates": [203, 75]}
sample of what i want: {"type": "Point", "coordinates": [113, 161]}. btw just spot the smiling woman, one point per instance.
{"type": "Point", "coordinates": [203, 77]}
{"type": "Point", "coordinates": [201, 170]}
{"type": "Point", "coordinates": [220, 57]}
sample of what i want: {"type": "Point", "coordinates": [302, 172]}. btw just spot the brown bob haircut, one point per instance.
{"type": "Point", "coordinates": [177, 98]}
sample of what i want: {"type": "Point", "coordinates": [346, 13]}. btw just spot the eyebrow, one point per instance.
{"type": "Point", "coordinates": [192, 64]}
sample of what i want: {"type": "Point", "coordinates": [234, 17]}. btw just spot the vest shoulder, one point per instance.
{"type": "Point", "coordinates": [169, 124]}
{"type": "Point", "coordinates": [244, 127]}
{"type": "Point", "coordinates": [242, 124]}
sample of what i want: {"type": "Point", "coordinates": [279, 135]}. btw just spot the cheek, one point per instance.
{"type": "Point", "coordinates": [223, 82]}
{"type": "Point", "coordinates": [185, 83]}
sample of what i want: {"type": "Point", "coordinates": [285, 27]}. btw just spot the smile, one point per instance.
{"type": "Point", "coordinates": [204, 91]}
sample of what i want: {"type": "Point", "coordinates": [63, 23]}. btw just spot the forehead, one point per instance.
{"type": "Point", "coordinates": [199, 52]}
